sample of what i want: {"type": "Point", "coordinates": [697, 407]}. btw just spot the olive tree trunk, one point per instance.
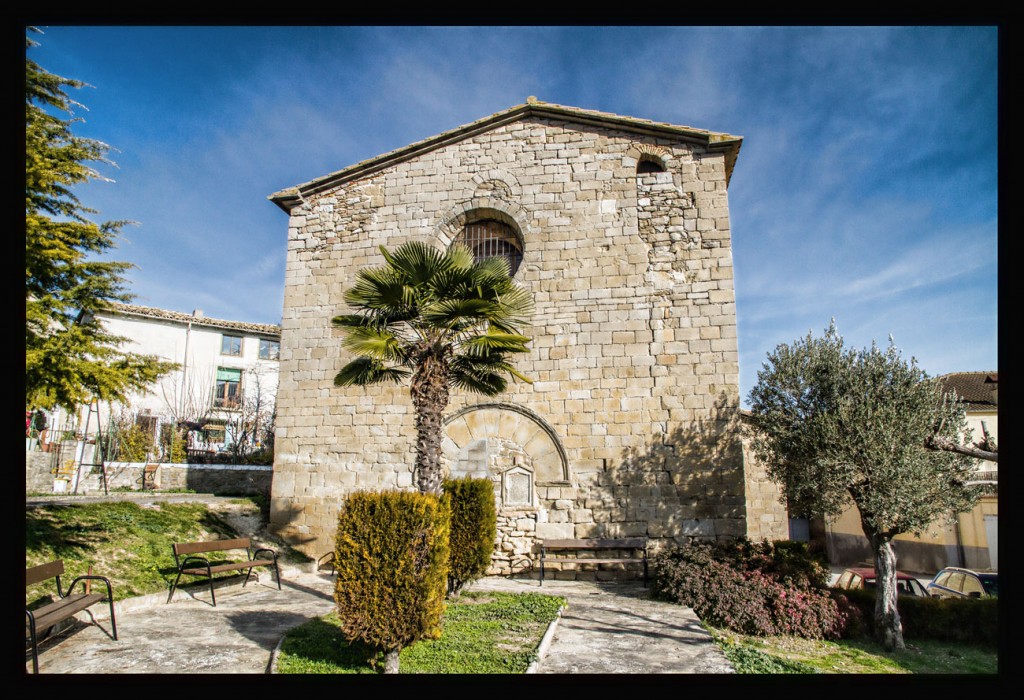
{"type": "Point", "coordinates": [391, 661]}
{"type": "Point", "coordinates": [888, 628]}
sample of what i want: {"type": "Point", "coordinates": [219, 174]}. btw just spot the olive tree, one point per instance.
{"type": "Point", "coordinates": [835, 425]}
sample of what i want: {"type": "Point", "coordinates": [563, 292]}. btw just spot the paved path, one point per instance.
{"type": "Point", "coordinates": [606, 628]}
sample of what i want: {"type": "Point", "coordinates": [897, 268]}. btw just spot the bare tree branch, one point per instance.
{"type": "Point", "coordinates": [944, 444]}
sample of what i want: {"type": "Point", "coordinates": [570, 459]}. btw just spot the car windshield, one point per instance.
{"type": "Point", "coordinates": [991, 584]}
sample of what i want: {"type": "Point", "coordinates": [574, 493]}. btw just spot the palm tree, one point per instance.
{"type": "Point", "coordinates": [442, 319]}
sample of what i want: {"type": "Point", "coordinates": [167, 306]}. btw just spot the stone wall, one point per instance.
{"type": "Point", "coordinates": [218, 479]}
{"type": "Point", "coordinates": [629, 426]}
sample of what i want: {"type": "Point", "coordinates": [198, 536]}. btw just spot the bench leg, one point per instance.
{"type": "Point", "coordinates": [173, 586]}
{"type": "Point", "coordinates": [213, 595]}
{"type": "Point", "coordinates": [113, 623]}
{"type": "Point", "coordinates": [645, 573]}
{"type": "Point", "coordinates": [35, 651]}
{"type": "Point", "coordinates": [277, 572]}
{"type": "Point", "coordinates": [248, 573]}
{"type": "Point", "coordinates": [542, 571]}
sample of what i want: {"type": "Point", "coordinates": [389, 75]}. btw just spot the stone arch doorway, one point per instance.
{"type": "Point", "coordinates": [519, 435]}
{"type": "Point", "coordinates": [517, 451]}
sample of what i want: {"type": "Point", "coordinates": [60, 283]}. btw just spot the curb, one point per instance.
{"type": "Point", "coordinates": [545, 642]}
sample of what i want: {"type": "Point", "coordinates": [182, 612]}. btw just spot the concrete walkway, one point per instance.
{"type": "Point", "coordinates": [606, 628]}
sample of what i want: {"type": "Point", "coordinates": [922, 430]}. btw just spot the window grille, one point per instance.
{"type": "Point", "coordinates": [492, 239]}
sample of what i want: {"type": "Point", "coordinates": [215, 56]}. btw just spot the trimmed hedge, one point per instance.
{"type": "Point", "coordinates": [759, 589]}
{"type": "Point", "coordinates": [474, 528]}
{"type": "Point", "coordinates": [391, 559]}
{"type": "Point", "coordinates": [941, 619]}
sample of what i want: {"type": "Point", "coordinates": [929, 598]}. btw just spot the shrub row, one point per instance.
{"type": "Point", "coordinates": [766, 588]}
{"type": "Point", "coordinates": [941, 619]}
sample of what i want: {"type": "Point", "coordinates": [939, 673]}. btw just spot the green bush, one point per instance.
{"type": "Point", "coordinates": [391, 559]}
{"type": "Point", "coordinates": [940, 619]}
{"type": "Point", "coordinates": [473, 531]}
{"type": "Point", "coordinates": [753, 588]}
{"type": "Point", "coordinates": [134, 444]}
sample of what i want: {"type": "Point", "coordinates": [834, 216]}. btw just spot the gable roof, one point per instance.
{"type": "Point", "coordinates": [977, 389]}
{"type": "Point", "coordinates": [714, 141]}
{"type": "Point", "coordinates": [196, 319]}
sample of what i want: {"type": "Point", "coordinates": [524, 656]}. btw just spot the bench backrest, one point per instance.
{"type": "Point", "coordinates": [35, 574]}
{"type": "Point", "coordinates": [597, 543]}
{"type": "Point", "coordinates": [181, 548]}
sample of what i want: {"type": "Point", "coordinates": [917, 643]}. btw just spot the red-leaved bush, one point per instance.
{"type": "Point", "coordinates": [753, 588]}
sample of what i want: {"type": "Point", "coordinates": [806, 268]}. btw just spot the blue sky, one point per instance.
{"type": "Point", "coordinates": [865, 190]}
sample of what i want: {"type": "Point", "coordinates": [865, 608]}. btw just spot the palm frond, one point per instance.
{"type": "Point", "coordinates": [363, 371]}
{"type": "Point", "coordinates": [377, 288]}
{"type": "Point", "coordinates": [490, 270]}
{"type": "Point", "coordinates": [496, 341]}
{"type": "Point", "coordinates": [460, 257]}
{"type": "Point", "coordinates": [416, 261]}
{"type": "Point", "coordinates": [486, 383]}
{"type": "Point", "coordinates": [449, 311]}
{"type": "Point", "coordinates": [375, 343]}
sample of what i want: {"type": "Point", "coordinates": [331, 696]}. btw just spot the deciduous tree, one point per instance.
{"type": "Point", "coordinates": [836, 426]}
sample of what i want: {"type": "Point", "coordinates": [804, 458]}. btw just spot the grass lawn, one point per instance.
{"type": "Point", "coordinates": [483, 633]}
{"type": "Point", "coordinates": [854, 656]}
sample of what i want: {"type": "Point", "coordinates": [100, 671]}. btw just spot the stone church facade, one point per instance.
{"type": "Point", "coordinates": [620, 229]}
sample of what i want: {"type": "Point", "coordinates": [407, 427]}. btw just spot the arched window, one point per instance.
{"type": "Point", "coordinates": [648, 164]}
{"type": "Point", "coordinates": [488, 238]}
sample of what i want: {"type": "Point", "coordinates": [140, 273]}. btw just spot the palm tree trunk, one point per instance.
{"type": "Point", "coordinates": [429, 390]}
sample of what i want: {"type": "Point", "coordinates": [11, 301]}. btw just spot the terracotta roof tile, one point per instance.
{"type": "Point", "coordinates": [977, 388]}
{"type": "Point", "coordinates": [203, 321]}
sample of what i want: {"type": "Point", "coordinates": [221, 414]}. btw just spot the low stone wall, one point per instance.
{"type": "Point", "coordinates": [38, 478]}
{"type": "Point", "coordinates": [218, 479]}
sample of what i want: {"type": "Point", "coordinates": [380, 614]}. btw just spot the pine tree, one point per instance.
{"type": "Point", "coordinates": [70, 358]}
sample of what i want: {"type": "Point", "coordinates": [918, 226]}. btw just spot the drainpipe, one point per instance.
{"type": "Point", "coordinates": [184, 369]}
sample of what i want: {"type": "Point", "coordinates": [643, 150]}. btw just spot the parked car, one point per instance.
{"type": "Point", "coordinates": [955, 582]}
{"type": "Point", "coordinates": [865, 577]}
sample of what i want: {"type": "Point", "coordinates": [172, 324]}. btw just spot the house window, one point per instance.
{"type": "Point", "coordinates": [228, 391]}
{"type": "Point", "coordinates": [492, 239]}
{"type": "Point", "coordinates": [230, 345]}
{"type": "Point", "coordinates": [269, 349]}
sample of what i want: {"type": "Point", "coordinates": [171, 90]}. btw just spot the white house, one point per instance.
{"type": "Point", "coordinates": [228, 372]}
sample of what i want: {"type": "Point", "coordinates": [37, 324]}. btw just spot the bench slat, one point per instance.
{"type": "Point", "coordinates": [181, 548]}
{"type": "Point", "coordinates": [52, 613]}
{"type": "Point", "coordinates": [629, 543]}
{"type": "Point", "coordinates": [228, 566]}
{"type": "Point", "coordinates": [43, 572]}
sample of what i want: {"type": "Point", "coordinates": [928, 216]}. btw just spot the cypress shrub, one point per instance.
{"type": "Point", "coordinates": [474, 529]}
{"type": "Point", "coordinates": [391, 559]}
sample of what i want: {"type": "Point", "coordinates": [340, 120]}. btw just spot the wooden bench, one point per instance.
{"type": "Point", "coordinates": [188, 563]}
{"type": "Point", "coordinates": [630, 546]}
{"type": "Point", "coordinates": [66, 606]}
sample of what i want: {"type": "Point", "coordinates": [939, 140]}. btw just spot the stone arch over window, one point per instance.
{"type": "Point", "coordinates": [649, 159]}
{"type": "Point", "coordinates": [526, 440]}
{"type": "Point", "coordinates": [489, 227]}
